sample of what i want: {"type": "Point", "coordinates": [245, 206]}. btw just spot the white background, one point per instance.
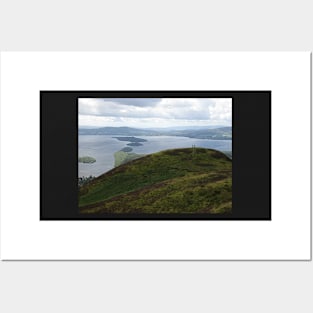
{"type": "Point", "coordinates": [151, 286]}
{"type": "Point", "coordinates": [287, 236]}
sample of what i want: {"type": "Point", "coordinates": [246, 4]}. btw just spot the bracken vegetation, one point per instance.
{"type": "Point", "coordinates": [192, 180]}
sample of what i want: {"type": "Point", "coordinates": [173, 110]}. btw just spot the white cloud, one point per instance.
{"type": "Point", "coordinates": [163, 112]}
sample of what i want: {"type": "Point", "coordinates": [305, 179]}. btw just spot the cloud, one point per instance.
{"type": "Point", "coordinates": [158, 110]}
{"type": "Point", "coordinates": [137, 102]}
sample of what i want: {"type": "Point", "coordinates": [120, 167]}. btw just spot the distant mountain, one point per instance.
{"type": "Point", "coordinates": [216, 133]}
{"type": "Point", "coordinates": [186, 127]}
{"type": "Point", "coordinates": [125, 131]}
{"type": "Point", "coordinates": [222, 133]}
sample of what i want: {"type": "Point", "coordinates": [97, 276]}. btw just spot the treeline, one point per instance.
{"type": "Point", "coordinates": [85, 180]}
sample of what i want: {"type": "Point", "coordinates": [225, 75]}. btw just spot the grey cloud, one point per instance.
{"type": "Point", "coordinates": [137, 102]}
{"type": "Point", "coordinates": [180, 109]}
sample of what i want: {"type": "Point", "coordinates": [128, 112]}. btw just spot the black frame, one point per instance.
{"type": "Point", "coordinates": [251, 154]}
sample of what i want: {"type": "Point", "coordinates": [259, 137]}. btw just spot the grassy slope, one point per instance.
{"type": "Point", "coordinates": [122, 157]}
{"type": "Point", "coordinates": [171, 181]}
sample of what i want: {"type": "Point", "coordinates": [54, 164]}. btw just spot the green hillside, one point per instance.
{"type": "Point", "coordinates": [122, 157]}
{"type": "Point", "coordinates": [191, 180]}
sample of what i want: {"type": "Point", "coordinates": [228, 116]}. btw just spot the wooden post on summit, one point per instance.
{"type": "Point", "coordinates": [193, 151]}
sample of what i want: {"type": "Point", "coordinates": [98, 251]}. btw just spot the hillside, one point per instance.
{"type": "Point", "coordinates": [124, 131]}
{"type": "Point", "coordinates": [122, 157]}
{"type": "Point", "coordinates": [172, 181]}
{"type": "Point", "coordinates": [221, 133]}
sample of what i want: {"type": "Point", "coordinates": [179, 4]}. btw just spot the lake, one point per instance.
{"type": "Point", "coordinates": [103, 147]}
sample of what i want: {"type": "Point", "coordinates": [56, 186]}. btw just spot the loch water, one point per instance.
{"type": "Point", "coordinates": [103, 147]}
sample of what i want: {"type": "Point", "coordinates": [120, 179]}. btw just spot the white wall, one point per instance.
{"type": "Point", "coordinates": [150, 286]}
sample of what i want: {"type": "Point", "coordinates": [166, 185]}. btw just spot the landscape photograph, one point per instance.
{"type": "Point", "coordinates": [150, 156]}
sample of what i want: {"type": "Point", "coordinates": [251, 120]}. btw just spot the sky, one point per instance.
{"type": "Point", "coordinates": [154, 112]}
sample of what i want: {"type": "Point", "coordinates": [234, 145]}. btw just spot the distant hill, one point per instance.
{"type": "Point", "coordinates": [193, 180]}
{"type": "Point", "coordinates": [216, 133]}
{"type": "Point", "coordinates": [124, 131]}
{"type": "Point", "coordinates": [186, 127]}
{"type": "Point", "coordinates": [220, 133]}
